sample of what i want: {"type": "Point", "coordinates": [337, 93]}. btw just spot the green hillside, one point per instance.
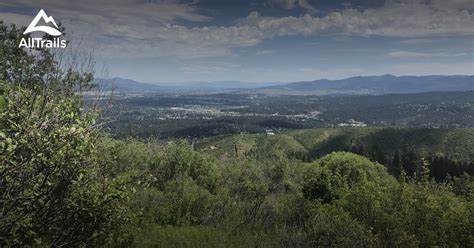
{"type": "Point", "coordinates": [453, 143]}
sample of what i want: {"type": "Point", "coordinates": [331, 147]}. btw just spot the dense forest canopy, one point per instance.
{"type": "Point", "coordinates": [66, 182]}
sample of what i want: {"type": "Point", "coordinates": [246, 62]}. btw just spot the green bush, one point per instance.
{"type": "Point", "coordinates": [180, 160]}
{"type": "Point", "coordinates": [328, 226]}
{"type": "Point", "coordinates": [412, 215]}
{"type": "Point", "coordinates": [196, 236]}
{"type": "Point", "coordinates": [53, 190]}
{"type": "Point", "coordinates": [333, 176]}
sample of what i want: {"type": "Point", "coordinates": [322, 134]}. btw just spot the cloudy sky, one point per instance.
{"type": "Point", "coordinates": [266, 40]}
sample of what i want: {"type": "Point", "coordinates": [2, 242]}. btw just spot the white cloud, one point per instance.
{"type": "Point", "coordinates": [286, 4]}
{"type": "Point", "coordinates": [418, 41]}
{"type": "Point", "coordinates": [409, 54]}
{"type": "Point", "coordinates": [264, 52]}
{"type": "Point", "coordinates": [115, 11]}
{"type": "Point", "coordinates": [136, 28]}
{"type": "Point", "coordinates": [19, 20]}
{"type": "Point", "coordinates": [453, 4]}
{"type": "Point", "coordinates": [306, 5]}
{"type": "Point", "coordinates": [291, 4]}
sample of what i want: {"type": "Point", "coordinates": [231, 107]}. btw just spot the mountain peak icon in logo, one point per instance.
{"type": "Point", "coordinates": [47, 19]}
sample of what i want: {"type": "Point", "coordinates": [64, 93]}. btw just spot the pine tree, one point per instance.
{"type": "Point", "coordinates": [423, 171]}
{"type": "Point", "coordinates": [409, 160]}
{"type": "Point", "coordinates": [396, 166]}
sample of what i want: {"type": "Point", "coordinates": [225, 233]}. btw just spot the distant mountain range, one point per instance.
{"type": "Point", "coordinates": [373, 85]}
{"type": "Point", "coordinates": [126, 85]}
{"type": "Point", "coordinates": [218, 85]}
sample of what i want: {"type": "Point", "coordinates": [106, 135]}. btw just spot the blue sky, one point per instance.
{"type": "Point", "coordinates": [264, 41]}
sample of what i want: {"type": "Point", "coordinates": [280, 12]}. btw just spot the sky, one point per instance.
{"type": "Point", "coordinates": [165, 41]}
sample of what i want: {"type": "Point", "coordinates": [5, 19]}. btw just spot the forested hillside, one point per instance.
{"type": "Point", "coordinates": [187, 198]}
{"type": "Point", "coordinates": [314, 143]}
{"type": "Point", "coordinates": [448, 150]}
{"type": "Point", "coordinates": [65, 182]}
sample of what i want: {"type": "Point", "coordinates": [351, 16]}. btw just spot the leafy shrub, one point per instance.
{"type": "Point", "coordinates": [180, 160]}
{"type": "Point", "coordinates": [333, 176]}
{"type": "Point", "coordinates": [327, 226]}
{"type": "Point", "coordinates": [53, 191]}
{"type": "Point", "coordinates": [412, 215]}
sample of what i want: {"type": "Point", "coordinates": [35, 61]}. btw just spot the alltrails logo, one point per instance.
{"type": "Point", "coordinates": [40, 42]}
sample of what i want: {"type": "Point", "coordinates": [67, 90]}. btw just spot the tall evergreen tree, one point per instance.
{"type": "Point", "coordinates": [423, 171]}
{"type": "Point", "coordinates": [396, 165]}
{"type": "Point", "coordinates": [409, 160]}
